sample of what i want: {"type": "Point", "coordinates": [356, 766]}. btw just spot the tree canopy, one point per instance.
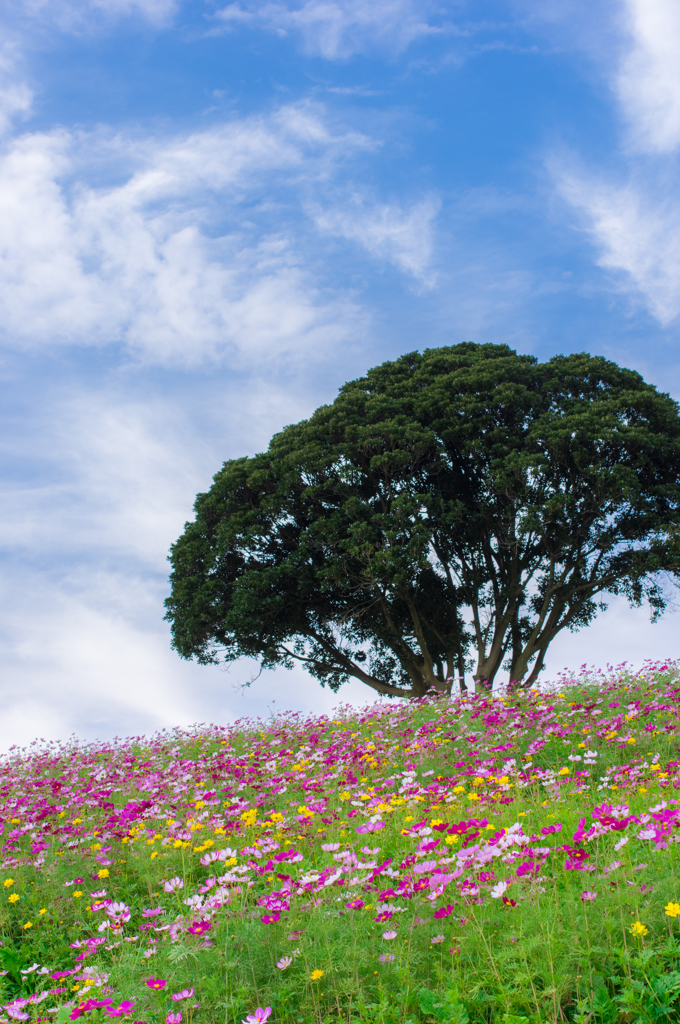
{"type": "Point", "coordinates": [453, 508]}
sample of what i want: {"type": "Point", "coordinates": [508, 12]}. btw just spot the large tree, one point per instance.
{"type": "Point", "coordinates": [466, 499]}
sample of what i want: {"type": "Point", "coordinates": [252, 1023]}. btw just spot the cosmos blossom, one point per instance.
{"type": "Point", "coordinates": [186, 993]}
{"type": "Point", "coordinates": [259, 1017]}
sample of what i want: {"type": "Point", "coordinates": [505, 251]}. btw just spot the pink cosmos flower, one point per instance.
{"type": "Point", "coordinates": [588, 895]}
{"type": "Point", "coordinates": [284, 962]}
{"type": "Point", "coordinates": [125, 1007]}
{"type": "Point", "coordinates": [186, 993]}
{"type": "Point", "coordinates": [174, 884]}
{"type": "Point", "coordinates": [173, 1018]}
{"type": "Point", "coordinates": [198, 927]}
{"type": "Point", "coordinates": [355, 905]}
{"type": "Point", "coordinates": [498, 890]}
{"type": "Point", "coordinates": [436, 939]}
{"type": "Point", "coordinates": [153, 913]}
{"type": "Point", "coordinates": [271, 918]}
{"type": "Point", "coordinates": [389, 935]}
{"type": "Point", "coordinates": [259, 1017]}
{"type": "Point", "coordinates": [443, 912]}
{"type": "Point", "coordinates": [155, 983]}
{"type": "Point", "coordinates": [118, 910]}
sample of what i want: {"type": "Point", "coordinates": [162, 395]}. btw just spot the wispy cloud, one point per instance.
{"type": "Point", "coordinates": [140, 261]}
{"type": "Point", "coordinates": [631, 211]}
{"type": "Point", "coordinates": [337, 29]}
{"type": "Point", "coordinates": [83, 546]}
{"type": "Point", "coordinates": [16, 97]}
{"type": "Point", "coordinates": [648, 78]}
{"type": "Point", "coordinates": [636, 231]}
{"type": "Point", "coordinates": [400, 235]}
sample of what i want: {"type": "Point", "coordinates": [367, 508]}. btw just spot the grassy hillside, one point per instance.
{"type": "Point", "coordinates": [508, 858]}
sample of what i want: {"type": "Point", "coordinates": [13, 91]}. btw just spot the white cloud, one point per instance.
{"type": "Point", "coordinates": [632, 214]}
{"type": "Point", "coordinates": [403, 237]}
{"type": "Point", "coordinates": [648, 79]}
{"type": "Point", "coordinates": [633, 45]}
{"type": "Point", "coordinates": [139, 261]}
{"type": "Point", "coordinates": [94, 659]}
{"type": "Point", "coordinates": [16, 97]}
{"type": "Point", "coordinates": [336, 29]}
{"type": "Point", "coordinates": [636, 229]}
{"type": "Point", "coordinates": [121, 482]}
{"type": "Point", "coordinates": [106, 485]}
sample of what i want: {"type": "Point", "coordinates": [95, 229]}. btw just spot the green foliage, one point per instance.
{"type": "Point", "coordinates": [462, 498]}
{"type": "Point", "coordinates": [446, 1007]}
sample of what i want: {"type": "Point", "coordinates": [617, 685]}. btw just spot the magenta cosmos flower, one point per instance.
{"type": "Point", "coordinates": [259, 1017]}
{"type": "Point", "coordinates": [443, 912]}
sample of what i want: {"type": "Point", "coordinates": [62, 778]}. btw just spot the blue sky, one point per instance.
{"type": "Point", "coordinates": [211, 215]}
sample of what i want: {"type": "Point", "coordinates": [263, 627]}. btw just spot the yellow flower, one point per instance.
{"type": "Point", "coordinates": [103, 873]}
{"type": "Point", "coordinates": [672, 909]}
{"type": "Point", "coordinates": [564, 771]}
{"type": "Point", "coordinates": [638, 929]}
{"type": "Point", "coordinates": [77, 895]}
{"type": "Point", "coordinates": [43, 911]}
{"type": "Point", "coordinates": [8, 882]}
{"type": "Point", "coordinates": [29, 924]}
{"type": "Point", "coordinates": [14, 897]}
{"type": "Point", "coordinates": [315, 975]}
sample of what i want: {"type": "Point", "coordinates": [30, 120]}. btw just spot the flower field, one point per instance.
{"type": "Point", "coordinates": [505, 858]}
